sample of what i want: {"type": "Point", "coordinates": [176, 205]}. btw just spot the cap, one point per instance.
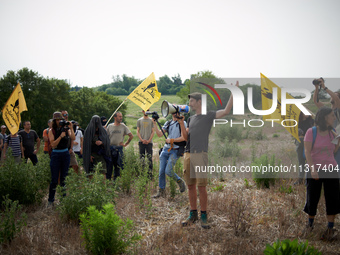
{"type": "Point", "coordinates": [57, 116]}
{"type": "Point", "coordinates": [195, 95]}
{"type": "Point", "coordinates": [3, 126]}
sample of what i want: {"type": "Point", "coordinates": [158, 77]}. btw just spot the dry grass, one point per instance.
{"type": "Point", "coordinates": [243, 219]}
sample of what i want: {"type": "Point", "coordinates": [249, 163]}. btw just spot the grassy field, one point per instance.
{"type": "Point", "coordinates": [244, 217]}
{"type": "Point", "coordinates": [134, 112]}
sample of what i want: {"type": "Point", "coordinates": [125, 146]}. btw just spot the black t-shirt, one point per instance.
{"type": "Point", "coordinates": [64, 142]}
{"type": "Point", "coordinates": [28, 140]}
{"type": "Point", "coordinates": [199, 129]}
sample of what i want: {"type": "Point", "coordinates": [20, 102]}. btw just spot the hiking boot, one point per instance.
{"type": "Point", "coordinates": [181, 185]}
{"type": "Point", "coordinates": [204, 221]}
{"type": "Point", "coordinates": [329, 235]}
{"type": "Point", "coordinates": [193, 216]}
{"type": "Point", "coordinates": [160, 193]}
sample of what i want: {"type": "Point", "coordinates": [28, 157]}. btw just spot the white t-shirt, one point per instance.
{"type": "Point", "coordinates": [78, 135]}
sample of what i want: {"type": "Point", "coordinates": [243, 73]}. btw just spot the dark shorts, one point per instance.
{"type": "Point", "coordinates": [331, 192]}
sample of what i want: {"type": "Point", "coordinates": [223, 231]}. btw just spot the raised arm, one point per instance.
{"type": "Point", "coordinates": [227, 109]}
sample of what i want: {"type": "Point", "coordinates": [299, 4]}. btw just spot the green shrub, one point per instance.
{"type": "Point", "coordinates": [266, 173]}
{"type": "Point", "coordinates": [232, 133]}
{"type": "Point", "coordinates": [105, 232]}
{"type": "Point", "coordinates": [10, 220]}
{"type": "Point", "coordinates": [82, 192]}
{"type": "Point", "coordinates": [259, 135]}
{"type": "Point", "coordinates": [229, 148]}
{"type": "Point", "coordinates": [132, 168]}
{"type": "Point", "coordinates": [287, 247]}
{"type": "Point", "coordinates": [217, 188]}
{"type": "Point", "coordinates": [143, 186]}
{"type": "Point", "coordinates": [178, 168]}
{"type": "Point", "coordinates": [24, 182]}
{"type": "Point", "coordinates": [286, 190]}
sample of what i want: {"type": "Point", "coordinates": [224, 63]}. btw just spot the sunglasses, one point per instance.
{"type": "Point", "coordinates": [65, 114]}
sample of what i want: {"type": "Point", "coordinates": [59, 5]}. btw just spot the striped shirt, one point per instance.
{"type": "Point", "coordinates": [14, 144]}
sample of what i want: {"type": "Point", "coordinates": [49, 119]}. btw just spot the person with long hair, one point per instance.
{"type": "Point", "coordinates": [59, 136]}
{"type": "Point", "coordinates": [322, 170]}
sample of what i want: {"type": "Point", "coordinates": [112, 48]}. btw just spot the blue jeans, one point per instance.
{"type": "Point", "coordinates": [59, 163]}
{"type": "Point", "coordinates": [167, 162]}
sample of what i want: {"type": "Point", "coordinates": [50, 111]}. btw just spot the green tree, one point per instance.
{"type": "Point", "coordinates": [43, 96]}
{"type": "Point", "coordinates": [87, 102]}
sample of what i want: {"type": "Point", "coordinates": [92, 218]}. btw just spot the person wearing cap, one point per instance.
{"type": "Point", "coordinates": [196, 154]}
{"type": "Point", "coordinates": [60, 157]}
{"type": "Point", "coordinates": [145, 132]}
{"type": "Point", "coordinates": [29, 138]}
{"type": "Point", "coordinates": [47, 149]}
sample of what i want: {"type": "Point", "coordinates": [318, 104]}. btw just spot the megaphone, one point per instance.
{"type": "Point", "coordinates": [167, 108]}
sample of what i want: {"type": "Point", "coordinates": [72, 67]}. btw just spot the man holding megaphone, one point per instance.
{"type": "Point", "coordinates": [196, 154]}
{"type": "Point", "coordinates": [173, 148]}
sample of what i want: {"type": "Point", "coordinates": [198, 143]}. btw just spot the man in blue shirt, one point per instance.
{"type": "Point", "coordinates": [169, 155]}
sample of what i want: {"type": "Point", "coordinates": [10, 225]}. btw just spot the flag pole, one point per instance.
{"type": "Point", "coordinates": [115, 112]}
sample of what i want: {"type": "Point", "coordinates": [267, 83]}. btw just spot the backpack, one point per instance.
{"type": "Point", "coordinates": [182, 144]}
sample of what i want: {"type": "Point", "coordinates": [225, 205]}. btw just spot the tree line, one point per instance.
{"type": "Point", "coordinates": [124, 85]}
{"type": "Point", "coordinates": [46, 95]}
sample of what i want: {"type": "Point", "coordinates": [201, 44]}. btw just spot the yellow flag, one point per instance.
{"type": "Point", "coordinates": [146, 94]}
{"type": "Point", "coordinates": [12, 109]}
{"type": "Point", "coordinates": [291, 119]}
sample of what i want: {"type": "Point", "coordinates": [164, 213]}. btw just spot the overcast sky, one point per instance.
{"type": "Point", "coordinates": [88, 42]}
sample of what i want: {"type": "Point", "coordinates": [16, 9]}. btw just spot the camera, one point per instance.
{"type": "Point", "coordinates": [317, 82]}
{"type": "Point", "coordinates": [64, 125]}
{"type": "Point", "coordinates": [153, 114]}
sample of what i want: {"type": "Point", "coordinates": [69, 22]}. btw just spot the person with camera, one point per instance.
{"type": "Point", "coordinates": [29, 137]}
{"type": "Point", "coordinates": [335, 105]}
{"type": "Point", "coordinates": [145, 132]}
{"type": "Point", "coordinates": [73, 159]}
{"type": "Point", "coordinates": [116, 132]}
{"type": "Point", "coordinates": [59, 136]}
{"type": "Point", "coordinates": [196, 154]}
{"type": "Point", "coordinates": [322, 170]}
{"type": "Point", "coordinates": [171, 151]}
{"type": "Point", "coordinates": [96, 147]}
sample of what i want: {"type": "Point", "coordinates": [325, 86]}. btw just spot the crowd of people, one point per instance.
{"type": "Point", "coordinates": [102, 143]}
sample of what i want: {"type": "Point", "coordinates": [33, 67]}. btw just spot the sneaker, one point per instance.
{"type": "Point", "coordinates": [329, 235]}
{"type": "Point", "coordinates": [193, 216]}
{"type": "Point", "coordinates": [204, 221]}
{"type": "Point", "coordinates": [160, 193]}
{"type": "Point", "coordinates": [181, 185]}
